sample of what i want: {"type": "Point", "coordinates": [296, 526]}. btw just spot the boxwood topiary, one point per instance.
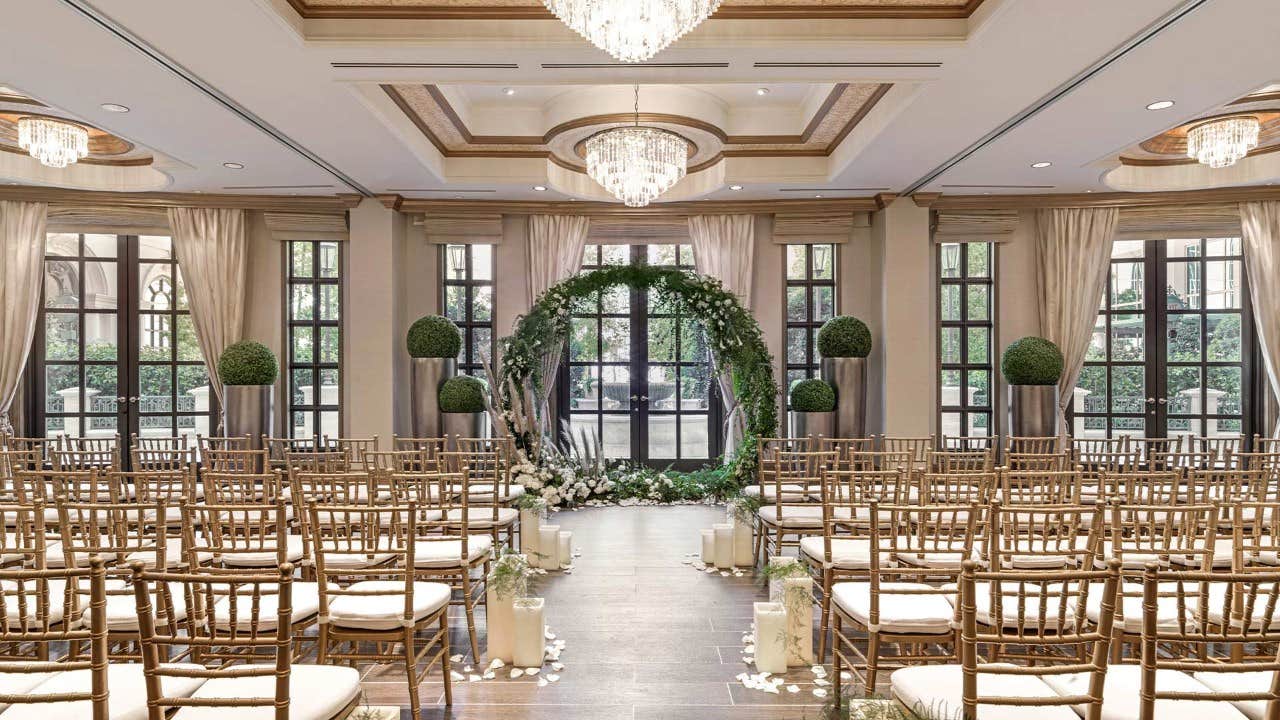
{"type": "Point", "coordinates": [434, 336]}
{"type": "Point", "coordinates": [812, 395]}
{"type": "Point", "coordinates": [462, 394]}
{"type": "Point", "coordinates": [1032, 361]}
{"type": "Point", "coordinates": [247, 363]}
{"type": "Point", "coordinates": [844, 336]}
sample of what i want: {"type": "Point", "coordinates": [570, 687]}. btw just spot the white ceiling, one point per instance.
{"type": "Point", "coordinates": [300, 124]}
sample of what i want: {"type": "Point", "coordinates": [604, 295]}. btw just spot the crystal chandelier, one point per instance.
{"type": "Point", "coordinates": [632, 30]}
{"type": "Point", "coordinates": [1220, 143]}
{"type": "Point", "coordinates": [637, 164]}
{"type": "Point", "coordinates": [53, 142]}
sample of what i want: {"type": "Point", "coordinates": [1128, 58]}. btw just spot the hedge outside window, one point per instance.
{"type": "Point", "coordinates": [966, 362]}
{"type": "Point", "coordinates": [811, 301]}
{"type": "Point", "coordinates": [468, 301]}
{"type": "Point", "coordinates": [315, 338]}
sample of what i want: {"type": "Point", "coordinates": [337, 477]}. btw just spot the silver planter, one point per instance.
{"type": "Point", "coordinates": [812, 424]}
{"type": "Point", "coordinates": [248, 410]}
{"type": "Point", "coordinates": [1033, 411]}
{"type": "Point", "coordinates": [467, 425]}
{"type": "Point", "coordinates": [848, 375]}
{"type": "Point", "coordinates": [426, 375]}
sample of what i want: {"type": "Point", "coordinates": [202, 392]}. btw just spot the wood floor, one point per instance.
{"type": "Point", "coordinates": [647, 636]}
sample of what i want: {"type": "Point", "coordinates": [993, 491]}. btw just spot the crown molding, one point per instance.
{"type": "Point", "coordinates": [814, 11]}
{"type": "Point", "coordinates": [925, 199]}
{"type": "Point", "coordinates": [1113, 199]}
{"type": "Point", "coordinates": [270, 203]}
{"type": "Point", "coordinates": [884, 200]}
{"type": "Point", "coordinates": [700, 207]}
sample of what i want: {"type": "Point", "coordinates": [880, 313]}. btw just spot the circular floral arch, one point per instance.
{"type": "Point", "coordinates": [734, 336]}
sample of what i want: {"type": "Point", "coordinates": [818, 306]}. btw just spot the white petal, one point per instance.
{"type": "Point", "coordinates": [793, 689]}
{"type": "Point", "coordinates": [821, 682]}
{"type": "Point", "coordinates": [550, 635]}
{"type": "Point", "coordinates": [542, 682]}
{"type": "Point", "coordinates": [497, 663]}
{"type": "Point", "coordinates": [473, 678]}
{"type": "Point", "coordinates": [456, 676]}
{"type": "Point", "coordinates": [749, 649]}
{"type": "Point", "coordinates": [557, 666]}
{"type": "Point", "coordinates": [466, 668]}
{"type": "Point", "coordinates": [455, 658]}
{"type": "Point", "coordinates": [532, 671]}
{"type": "Point", "coordinates": [489, 675]}
{"type": "Point", "coordinates": [516, 672]}
{"type": "Point", "coordinates": [748, 659]}
{"type": "Point", "coordinates": [552, 677]}
{"type": "Point", "coordinates": [846, 676]}
{"type": "Point", "coordinates": [819, 692]}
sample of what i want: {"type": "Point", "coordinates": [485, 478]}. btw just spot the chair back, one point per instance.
{"type": "Point", "coordinates": [1030, 488]}
{"type": "Point", "coordinates": [955, 488]}
{"type": "Point", "coordinates": [205, 444]}
{"type": "Point", "coordinates": [236, 538]}
{"type": "Point", "coordinates": [845, 446]}
{"type": "Point", "coordinates": [1039, 462]}
{"type": "Point", "coordinates": [233, 460]}
{"type": "Point", "coordinates": [1032, 445]}
{"type": "Point", "coordinates": [1147, 446]}
{"type": "Point", "coordinates": [918, 448]}
{"type": "Point", "coordinates": [958, 461]}
{"type": "Point", "coordinates": [107, 460]}
{"type": "Point", "coordinates": [357, 449]}
{"type": "Point", "coordinates": [321, 461]}
{"type": "Point", "coordinates": [1223, 448]}
{"type": "Point", "coordinates": [159, 458]}
{"type": "Point", "coordinates": [382, 537]}
{"type": "Point", "coordinates": [1152, 487]}
{"type": "Point", "coordinates": [966, 443]}
{"type": "Point", "coordinates": [231, 488]}
{"type": "Point", "coordinates": [1051, 537]}
{"type": "Point", "coordinates": [1182, 461]}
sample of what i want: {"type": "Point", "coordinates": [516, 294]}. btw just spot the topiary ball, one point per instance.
{"type": "Point", "coordinates": [462, 394]}
{"type": "Point", "coordinates": [1032, 361]}
{"type": "Point", "coordinates": [813, 395]}
{"type": "Point", "coordinates": [844, 336]}
{"type": "Point", "coordinates": [247, 363]}
{"type": "Point", "coordinates": [434, 336]}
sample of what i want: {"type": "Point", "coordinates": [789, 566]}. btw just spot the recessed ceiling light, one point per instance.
{"type": "Point", "coordinates": [540, 188]}
{"type": "Point", "coordinates": [735, 188]}
{"type": "Point", "coordinates": [762, 91]}
{"type": "Point", "coordinates": [232, 166]}
{"type": "Point", "coordinates": [1160, 105]}
{"type": "Point", "coordinates": [1041, 164]}
{"type": "Point", "coordinates": [818, 196]}
{"type": "Point", "coordinates": [113, 107]}
{"type": "Point", "coordinates": [508, 91]}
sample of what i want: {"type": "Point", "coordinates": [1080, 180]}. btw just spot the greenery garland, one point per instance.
{"type": "Point", "coordinates": [737, 344]}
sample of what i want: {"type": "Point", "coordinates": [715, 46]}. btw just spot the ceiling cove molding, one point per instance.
{"type": "Point", "coordinates": [443, 10]}
{"type": "Point", "coordinates": [1116, 199]}
{"type": "Point", "coordinates": [318, 204]}
{"type": "Point", "coordinates": [454, 208]}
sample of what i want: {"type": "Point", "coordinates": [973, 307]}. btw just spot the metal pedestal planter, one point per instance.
{"type": "Point", "coordinates": [467, 425]}
{"type": "Point", "coordinates": [426, 375]}
{"type": "Point", "coordinates": [812, 424]}
{"type": "Point", "coordinates": [247, 410]}
{"type": "Point", "coordinates": [848, 375]}
{"type": "Point", "coordinates": [1033, 410]}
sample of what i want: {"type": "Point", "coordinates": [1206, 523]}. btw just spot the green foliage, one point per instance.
{"type": "Point", "coordinates": [511, 575]}
{"type": "Point", "coordinates": [639, 482]}
{"type": "Point", "coordinates": [844, 336]}
{"type": "Point", "coordinates": [248, 363]}
{"type": "Point", "coordinates": [813, 395]}
{"type": "Point", "coordinates": [434, 336]}
{"type": "Point", "coordinates": [462, 394]}
{"type": "Point", "coordinates": [1032, 361]}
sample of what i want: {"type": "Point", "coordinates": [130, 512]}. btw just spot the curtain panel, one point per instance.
{"type": "Point", "coordinates": [556, 243]}
{"type": "Point", "coordinates": [1260, 232]}
{"type": "Point", "coordinates": [1073, 254]}
{"type": "Point", "coordinates": [22, 230]}
{"type": "Point", "coordinates": [212, 250]}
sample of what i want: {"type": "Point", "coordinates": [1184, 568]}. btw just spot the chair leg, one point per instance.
{"type": "Point", "coordinates": [444, 658]}
{"type": "Point", "coordinates": [825, 623]}
{"type": "Point", "coordinates": [471, 617]}
{"type": "Point", "coordinates": [873, 662]}
{"type": "Point", "coordinates": [836, 688]}
{"type": "Point", "coordinates": [415, 707]}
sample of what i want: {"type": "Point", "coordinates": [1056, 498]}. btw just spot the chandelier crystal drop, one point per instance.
{"type": "Point", "coordinates": [632, 30]}
{"type": "Point", "coordinates": [637, 164]}
{"type": "Point", "coordinates": [54, 143]}
{"type": "Point", "coordinates": [1220, 143]}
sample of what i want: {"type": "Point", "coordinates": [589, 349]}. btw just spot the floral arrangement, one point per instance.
{"type": "Point", "coordinates": [561, 482]}
{"type": "Point", "coordinates": [511, 575]}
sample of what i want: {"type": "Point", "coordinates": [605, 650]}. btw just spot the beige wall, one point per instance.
{"type": "Point", "coordinates": [1017, 307]}
{"type": "Point", "coordinates": [264, 304]}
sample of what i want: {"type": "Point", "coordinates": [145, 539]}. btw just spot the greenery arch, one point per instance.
{"type": "Point", "coordinates": [733, 334]}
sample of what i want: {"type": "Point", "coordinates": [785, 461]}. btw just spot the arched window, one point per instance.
{"type": "Point", "coordinates": [158, 296]}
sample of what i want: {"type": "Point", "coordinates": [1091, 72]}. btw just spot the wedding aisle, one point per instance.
{"type": "Point", "coordinates": [646, 636]}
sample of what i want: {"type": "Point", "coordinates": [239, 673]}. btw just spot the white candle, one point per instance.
{"type": "Point", "coordinates": [771, 640]}
{"type": "Point", "coordinates": [549, 546]}
{"type": "Point", "coordinates": [724, 546]}
{"type": "Point", "coordinates": [565, 548]}
{"type": "Point", "coordinates": [530, 522]}
{"type": "Point", "coordinates": [742, 550]}
{"type": "Point", "coordinates": [775, 585]}
{"type": "Point", "coordinates": [709, 547]}
{"type": "Point", "coordinates": [499, 625]}
{"type": "Point", "coordinates": [798, 600]}
{"type": "Point", "coordinates": [530, 631]}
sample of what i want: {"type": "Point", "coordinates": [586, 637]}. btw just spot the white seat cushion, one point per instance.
{"type": "Point", "coordinates": [316, 692]}
{"type": "Point", "coordinates": [126, 687]}
{"type": "Point", "coordinates": [1055, 614]}
{"type": "Point", "coordinates": [1015, 554]}
{"type": "Point", "coordinates": [14, 607]}
{"type": "Point", "coordinates": [122, 608]}
{"type": "Point", "coordinates": [936, 692]}
{"type": "Point", "coordinates": [385, 612]}
{"type": "Point", "coordinates": [173, 554]}
{"type": "Point", "coordinates": [483, 517]}
{"type": "Point", "coordinates": [1166, 608]}
{"type": "Point", "coordinates": [266, 558]}
{"type": "Point", "coordinates": [899, 613]}
{"type": "Point", "coordinates": [14, 683]}
{"type": "Point", "coordinates": [340, 556]}
{"type": "Point", "coordinates": [1218, 597]}
{"type": "Point", "coordinates": [846, 553]}
{"type": "Point", "coordinates": [1236, 682]}
{"type": "Point", "coordinates": [1121, 699]}
{"type": "Point", "coordinates": [304, 603]}
{"type": "Point", "coordinates": [790, 492]}
{"type": "Point", "coordinates": [448, 553]}
{"type": "Point", "coordinates": [803, 516]}
{"type": "Point", "coordinates": [509, 493]}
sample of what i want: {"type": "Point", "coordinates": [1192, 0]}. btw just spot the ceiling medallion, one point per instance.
{"type": "Point", "coordinates": [632, 30]}
{"type": "Point", "coordinates": [54, 143]}
{"type": "Point", "coordinates": [1221, 142]}
{"type": "Point", "coordinates": [637, 164]}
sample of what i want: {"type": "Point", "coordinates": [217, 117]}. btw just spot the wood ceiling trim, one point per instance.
{"type": "Point", "coordinates": [118, 162]}
{"type": "Point", "coordinates": [618, 210]}
{"type": "Point", "coordinates": [535, 12]}
{"type": "Point", "coordinates": [1115, 199]}
{"type": "Point", "coordinates": [269, 203]}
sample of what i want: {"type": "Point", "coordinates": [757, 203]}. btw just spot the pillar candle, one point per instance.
{"type": "Point", "coordinates": [709, 547]}
{"type": "Point", "coordinates": [742, 548]}
{"type": "Point", "coordinates": [549, 546]}
{"type": "Point", "coordinates": [565, 548]}
{"type": "Point", "coordinates": [724, 546]}
{"type": "Point", "coordinates": [499, 625]}
{"type": "Point", "coordinates": [530, 632]}
{"type": "Point", "coordinates": [798, 601]}
{"type": "Point", "coordinates": [771, 640]}
{"type": "Point", "coordinates": [530, 522]}
{"type": "Point", "coordinates": [775, 585]}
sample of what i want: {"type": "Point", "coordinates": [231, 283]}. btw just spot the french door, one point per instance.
{"type": "Point", "coordinates": [115, 351]}
{"type": "Point", "coordinates": [637, 373]}
{"type": "Point", "coordinates": [1172, 345]}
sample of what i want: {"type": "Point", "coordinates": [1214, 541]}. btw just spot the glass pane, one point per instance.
{"type": "Point", "coordinates": [615, 254]}
{"type": "Point", "coordinates": [797, 346]}
{"type": "Point", "coordinates": [584, 387]}
{"type": "Point", "coordinates": [824, 304]}
{"type": "Point", "coordinates": [693, 437]}
{"type": "Point", "coordinates": [979, 388]}
{"type": "Point", "coordinates": [481, 262]}
{"type": "Point", "coordinates": [1183, 390]}
{"type": "Point", "coordinates": [950, 260]}
{"type": "Point", "coordinates": [823, 261]}
{"type": "Point", "coordinates": [481, 345]}
{"type": "Point", "coordinates": [100, 336]}
{"type": "Point", "coordinates": [1183, 248]}
{"type": "Point", "coordinates": [1223, 395]}
{"type": "Point", "coordinates": [328, 259]}
{"type": "Point", "coordinates": [979, 345]}
{"type": "Point", "coordinates": [61, 284]}
{"type": "Point", "coordinates": [662, 254]}
{"type": "Point", "coordinates": [329, 302]}
{"type": "Point", "coordinates": [1216, 247]}
{"type": "Point", "coordinates": [329, 346]}
{"type": "Point", "coordinates": [302, 387]}
{"type": "Point", "coordinates": [482, 309]}
{"type": "Point", "coordinates": [62, 388]}
{"type": "Point", "coordinates": [329, 424]}
{"type": "Point", "coordinates": [61, 336]}
{"type": "Point", "coordinates": [188, 345]}
{"type": "Point", "coordinates": [662, 339]}
{"type": "Point", "coordinates": [950, 302]}
{"type": "Point", "coordinates": [1182, 426]}
{"type": "Point", "coordinates": [1134, 426]}
{"type": "Point", "coordinates": [155, 342]}
{"type": "Point", "coordinates": [155, 385]}
{"type": "Point", "coordinates": [155, 287]}
{"type": "Point", "coordinates": [979, 257]}
{"type": "Point", "coordinates": [61, 245]}
{"type": "Point", "coordinates": [301, 424]}
{"type": "Point", "coordinates": [180, 291]}
{"type": "Point", "coordinates": [1128, 390]}
{"type": "Point", "coordinates": [617, 436]}
{"type": "Point", "coordinates": [1183, 285]}
{"type": "Point", "coordinates": [979, 302]}
{"type": "Point", "coordinates": [686, 255]}
{"type": "Point", "coordinates": [979, 424]}
{"type": "Point", "coordinates": [455, 303]}
{"type": "Point", "coordinates": [155, 426]}
{"type": "Point", "coordinates": [951, 424]}
{"type": "Point", "coordinates": [101, 388]}
{"type": "Point", "coordinates": [583, 339]}
{"type": "Point", "coordinates": [1224, 337]}
{"type": "Point", "coordinates": [797, 304]}
{"type": "Point", "coordinates": [616, 301]}
{"type": "Point", "coordinates": [1127, 337]}
{"type": "Point", "coordinates": [100, 246]}
{"type": "Point", "coordinates": [1222, 284]}
{"type": "Point", "coordinates": [951, 388]}
{"type": "Point", "coordinates": [1127, 286]}
{"type": "Point", "coordinates": [1098, 341]}
{"type": "Point", "coordinates": [100, 286]}
{"type": "Point", "coordinates": [1124, 249]}
{"type": "Point", "coordinates": [1091, 392]}
{"type": "Point", "coordinates": [303, 345]}
{"type": "Point", "coordinates": [662, 437]}
{"type": "Point", "coordinates": [155, 247]}
{"type": "Point", "coordinates": [616, 336]}
{"type": "Point", "coordinates": [793, 377]}
{"type": "Point", "coordinates": [950, 345]}
{"type": "Point", "coordinates": [796, 262]}
{"type": "Point", "coordinates": [301, 302]}
{"type": "Point", "coordinates": [662, 388]}
{"type": "Point", "coordinates": [1184, 338]}
{"type": "Point", "coordinates": [329, 385]}
{"type": "Point", "coordinates": [193, 383]}
{"type": "Point", "coordinates": [303, 260]}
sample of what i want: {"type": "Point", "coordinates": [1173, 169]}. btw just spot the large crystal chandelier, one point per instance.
{"type": "Point", "coordinates": [637, 164]}
{"type": "Point", "coordinates": [53, 142]}
{"type": "Point", "coordinates": [1219, 143]}
{"type": "Point", "coordinates": [632, 30]}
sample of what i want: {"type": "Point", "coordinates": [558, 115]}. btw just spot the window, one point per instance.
{"type": "Point", "coordinates": [315, 338]}
{"type": "Point", "coordinates": [811, 301]}
{"type": "Point", "coordinates": [468, 301]}
{"type": "Point", "coordinates": [966, 312]}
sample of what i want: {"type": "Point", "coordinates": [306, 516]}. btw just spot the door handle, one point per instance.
{"type": "Point", "coordinates": [1151, 401]}
{"type": "Point", "coordinates": [133, 399]}
{"type": "Point", "coordinates": [121, 398]}
{"type": "Point", "coordinates": [1163, 401]}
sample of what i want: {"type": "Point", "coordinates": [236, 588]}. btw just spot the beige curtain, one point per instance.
{"type": "Point", "coordinates": [1073, 253]}
{"type": "Point", "coordinates": [1260, 230]}
{"type": "Point", "coordinates": [724, 248]}
{"type": "Point", "coordinates": [22, 227]}
{"type": "Point", "coordinates": [556, 243]}
{"type": "Point", "coordinates": [212, 251]}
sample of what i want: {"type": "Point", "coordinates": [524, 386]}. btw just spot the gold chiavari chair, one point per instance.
{"type": "Point", "coordinates": [109, 444]}
{"type": "Point", "coordinates": [382, 603]}
{"type": "Point", "coordinates": [428, 449]}
{"type": "Point", "coordinates": [169, 487]}
{"type": "Point", "coordinates": [1094, 466]}
{"type": "Point", "coordinates": [966, 443]}
{"type": "Point", "coordinates": [490, 458]}
{"type": "Point", "coordinates": [767, 447]}
{"type": "Point", "coordinates": [917, 447]}
{"type": "Point", "coordinates": [1004, 690]}
{"type": "Point", "coordinates": [142, 442]}
{"type": "Point", "coordinates": [322, 461]}
{"type": "Point", "coordinates": [485, 510]}
{"type": "Point", "coordinates": [38, 444]}
{"type": "Point", "coordinates": [244, 621]}
{"type": "Point", "coordinates": [1263, 444]}
{"type": "Point", "coordinates": [162, 460]}
{"type": "Point", "coordinates": [1223, 448]}
{"type": "Point", "coordinates": [1154, 487]}
{"type": "Point", "coordinates": [220, 488]}
{"type": "Point", "coordinates": [954, 488]}
{"type": "Point", "coordinates": [400, 461]}
{"type": "Point", "coordinates": [1095, 446]}
{"type": "Point", "coordinates": [960, 461]}
{"type": "Point", "coordinates": [279, 448]}
{"type": "Point", "coordinates": [1031, 488]}
{"type": "Point", "coordinates": [357, 449]}
{"type": "Point", "coordinates": [249, 462]}
{"type": "Point", "coordinates": [204, 443]}
{"type": "Point", "coordinates": [843, 447]}
{"type": "Point", "coordinates": [791, 515]}
{"type": "Point", "coordinates": [1185, 461]}
{"type": "Point", "coordinates": [1147, 446]}
{"type": "Point", "coordinates": [1029, 462]}
{"type": "Point", "coordinates": [104, 460]}
{"type": "Point", "coordinates": [877, 460]}
{"type": "Point", "coordinates": [1014, 445]}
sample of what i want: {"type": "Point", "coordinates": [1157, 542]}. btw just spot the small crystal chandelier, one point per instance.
{"type": "Point", "coordinates": [53, 142]}
{"type": "Point", "coordinates": [637, 164]}
{"type": "Point", "coordinates": [632, 30]}
{"type": "Point", "coordinates": [1220, 143]}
